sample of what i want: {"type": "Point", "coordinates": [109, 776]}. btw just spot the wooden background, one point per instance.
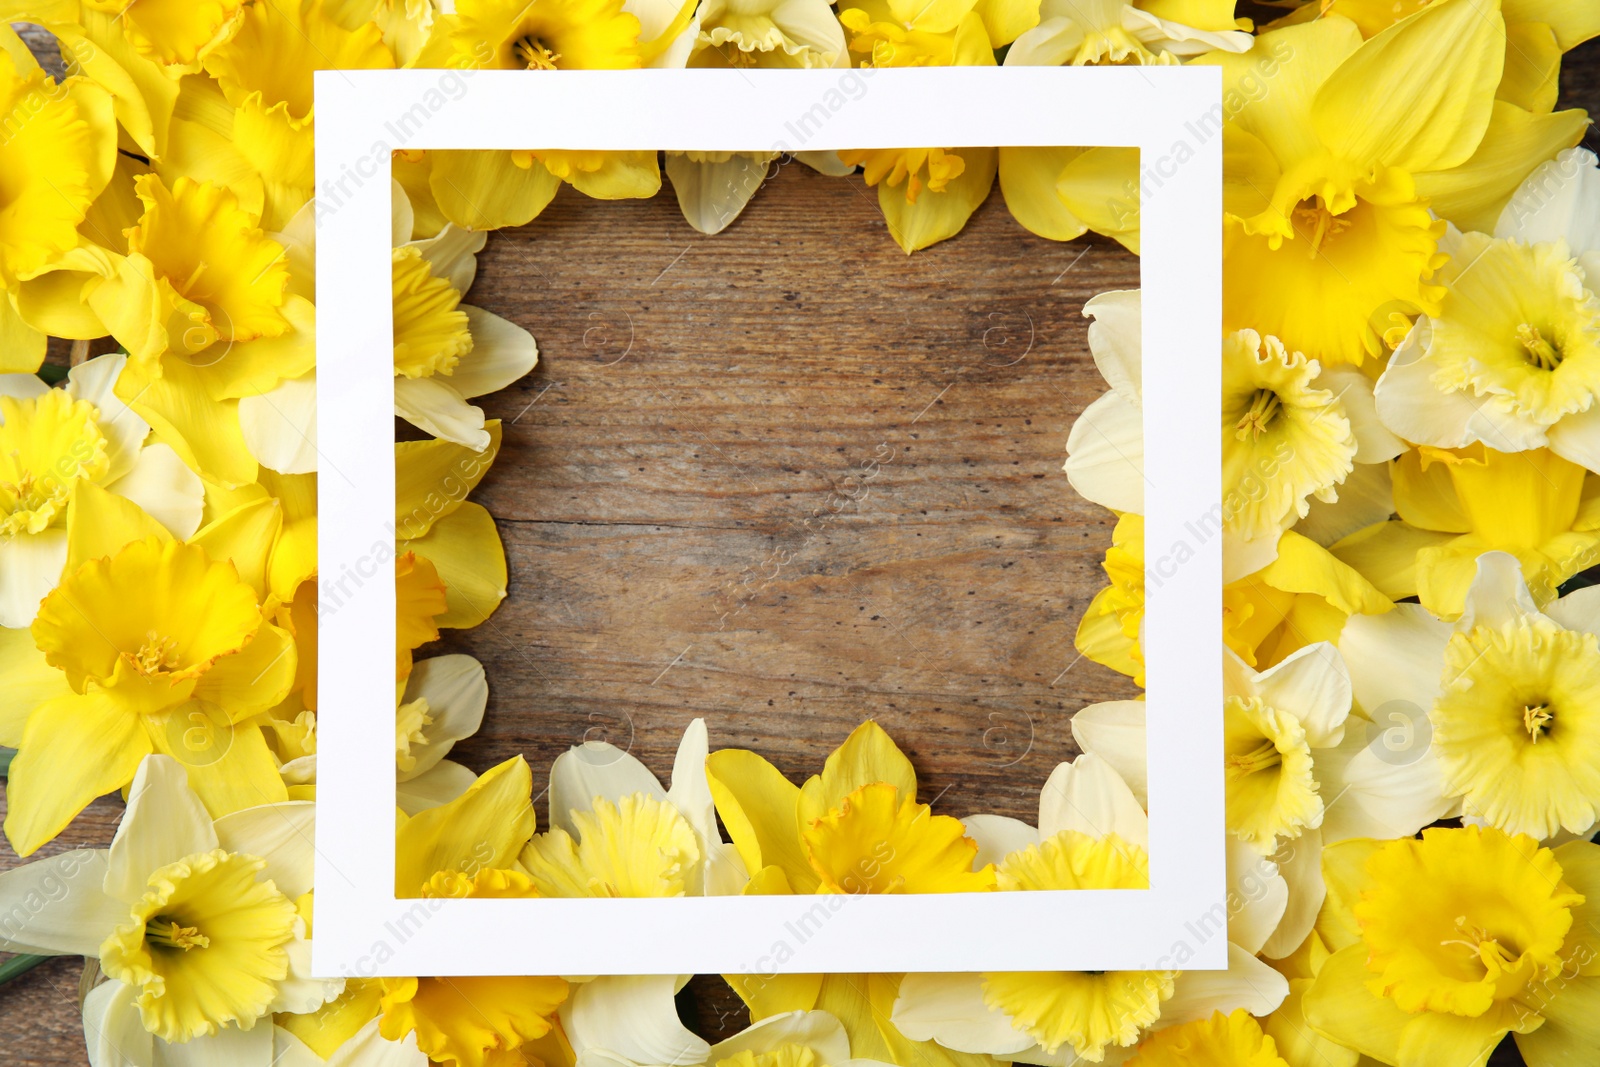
{"type": "Point", "coordinates": [784, 479]}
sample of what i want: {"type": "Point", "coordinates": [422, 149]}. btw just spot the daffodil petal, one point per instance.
{"type": "Point", "coordinates": [1088, 796]}
{"type": "Point", "coordinates": [591, 771]}
{"type": "Point", "coordinates": [434, 406]}
{"type": "Point", "coordinates": [757, 805]}
{"type": "Point", "coordinates": [1115, 732]}
{"type": "Point", "coordinates": [27, 679]}
{"type": "Point", "coordinates": [1028, 178]}
{"type": "Point", "coordinates": [866, 757]}
{"type": "Point", "coordinates": [1105, 454]}
{"type": "Point", "coordinates": [113, 1032]}
{"type": "Point", "coordinates": [485, 190]}
{"type": "Point", "coordinates": [1313, 685]}
{"type": "Point", "coordinates": [712, 192]}
{"type": "Point", "coordinates": [283, 834]}
{"type": "Point", "coordinates": [465, 548]}
{"type": "Point", "coordinates": [432, 478]}
{"type": "Point", "coordinates": [30, 566]}
{"type": "Point", "coordinates": [997, 837]}
{"type": "Point", "coordinates": [1247, 983]}
{"type": "Point", "coordinates": [22, 348]}
{"type": "Point", "coordinates": [950, 1009]}
{"type": "Point", "coordinates": [633, 1016]}
{"type": "Point", "coordinates": [164, 823]}
{"type": "Point", "coordinates": [1474, 193]}
{"type": "Point", "coordinates": [497, 812]}
{"type": "Point", "coordinates": [59, 906]}
{"type": "Point", "coordinates": [164, 487]}
{"type": "Point", "coordinates": [440, 784]}
{"type": "Point", "coordinates": [457, 693]}
{"type": "Point", "coordinates": [204, 432]}
{"type": "Point", "coordinates": [1403, 101]}
{"type": "Point", "coordinates": [74, 748]}
{"type": "Point", "coordinates": [279, 426]}
{"type": "Point", "coordinates": [1300, 866]}
{"type": "Point", "coordinates": [938, 216]}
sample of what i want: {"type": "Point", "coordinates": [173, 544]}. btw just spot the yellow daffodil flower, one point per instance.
{"type": "Point", "coordinates": [485, 190]}
{"type": "Point", "coordinates": [1333, 167]}
{"type": "Point", "coordinates": [51, 438]}
{"type": "Point", "coordinates": [161, 646]}
{"type": "Point", "coordinates": [1507, 691]}
{"type": "Point", "coordinates": [926, 194]}
{"type": "Point", "coordinates": [1231, 1040]}
{"type": "Point", "coordinates": [58, 153]}
{"type": "Point", "coordinates": [1296, 1041]}
{"type": "Point", "coordinates": [1302, 766]}
{"type": "Point", "coordinates": [196, 923]}
{"type": "Point", "coordinates": [1512, 359]}
{"type": "Point", "coordinates": [251, 128]}
{"type": "Point", "coordinates": [1456, 504]}
{"type": "Point", "coordinates": [791, 1039]}
{"type": "Point", "coordinates": [1538, 33]}
{"type": "Point", "coordinates": [829, 835]}
{"type": "Point", "coordinates": [1444, 945]}
{"type": "Point", "coordinates": [1304, 595]}
{"type": "Point", "coordinates": [362, 1047]}
{"type": "Point", "coordinates": [1092, 834]}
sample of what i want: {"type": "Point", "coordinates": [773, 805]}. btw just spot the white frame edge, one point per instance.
{"type": "Point", "coordinates": [1167, 112]}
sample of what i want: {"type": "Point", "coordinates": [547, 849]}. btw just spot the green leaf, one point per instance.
{"type": "Point", "coordinates": [6, 756]}
{"type": "Point", "coordinates": [17, 966]}
{"type": "Point", "coordinates": [53, 374]}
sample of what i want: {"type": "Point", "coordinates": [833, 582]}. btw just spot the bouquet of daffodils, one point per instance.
{"type": "Point", "coordinates": [1411, 443]}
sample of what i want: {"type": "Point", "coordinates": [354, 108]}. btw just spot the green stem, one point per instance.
{"type": "Point", "coordinates": [17, 966]}
{"type": "Point", "coordinates": [6, 755]}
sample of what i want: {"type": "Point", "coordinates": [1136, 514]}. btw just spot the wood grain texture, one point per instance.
{"type": "Point", "coordinates": [695, 526]}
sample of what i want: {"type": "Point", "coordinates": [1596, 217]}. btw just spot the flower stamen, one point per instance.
{"type": "Point", "coordinates": [1255, 421]}
{"type": "Point", "coordinates": [1536, 719]}
{"type": "Point", "coordinates": [536, 54]}
{"type": "Point", "coordinates": [1541, 353]}
{"type": "Point", "coordinates": [165, 932]}
{"type": "Point", "coordinates": [157, 655]}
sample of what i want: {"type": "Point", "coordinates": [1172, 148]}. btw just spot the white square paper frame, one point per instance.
{"type": "Point", "coordinates": [1172, 115]}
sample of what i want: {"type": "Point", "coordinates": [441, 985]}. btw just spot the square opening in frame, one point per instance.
{"type": "Point", "coordinates": [359, 114]}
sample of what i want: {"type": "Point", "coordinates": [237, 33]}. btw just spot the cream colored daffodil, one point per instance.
{"type": "Point", "coordinates": [1512, 359]}
{"type": "Point", "coordinates": [1443, 945]}
{"type": "Point", "coordinates": [1508, 691]}
{"type": "Point", "coordinates": [615, 832]}
{"type": "Point", "coordinates": [148, 644]}
{"type": "Point", "coordinates": [1092, 834]}
{"type": "Point", "coordinates": [1061, 193]}
{"type": "Point", "coordinates": [714, 187]}
{"type": "Point", "coordinates": [444, 351]}
{"type": "Point", "coordinates": [1334, 168]}
{"type": "Point", "coordinates": [49, 439]}
{"type": "Point", "coordinates": [197, 924]}
{"type": "Point", "coordinates": [1293, 432]}
{"type": "Point", "coordinates": [1302, 767]}
{"type": "Point", "coordinates": [1454, 505]}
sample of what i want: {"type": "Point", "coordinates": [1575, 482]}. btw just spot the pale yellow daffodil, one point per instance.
{"type": "Point", "coordinates": [1060, 193]}
{"type": "Point", "coordinates": [1442, 946]}
{"type": "Point", "coordinates": [445, 351]}
{"type": "Point", "coordinates": [1512, 359]}
{"type": "Point", "coordinates": [1093, 834]}
{"type": "Point", "coordinates": [1333, 167]}
{"type": "Point", "coordinates": [199, 925]}
{"type": "Point", "coordinates": [49, 439]}
{"type": "Point", "coordinates": [1509, 691]}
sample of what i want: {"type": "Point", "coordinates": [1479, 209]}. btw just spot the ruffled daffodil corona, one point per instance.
{"type": "Point", "coordinates": [1334, 167]}
{"type": "Point", "coordinates": [1092, 834]}
{"type": "Point", "coordinates": [52, 438]}
{"type": "Point", "coordinates": [1444, 945]}
{"type": "Point", "coordinates": [198, 925]}
{"type": "Point", "coordinates": [159, 645]}
{"type": "Point", "coordinates": [1508, 691]}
